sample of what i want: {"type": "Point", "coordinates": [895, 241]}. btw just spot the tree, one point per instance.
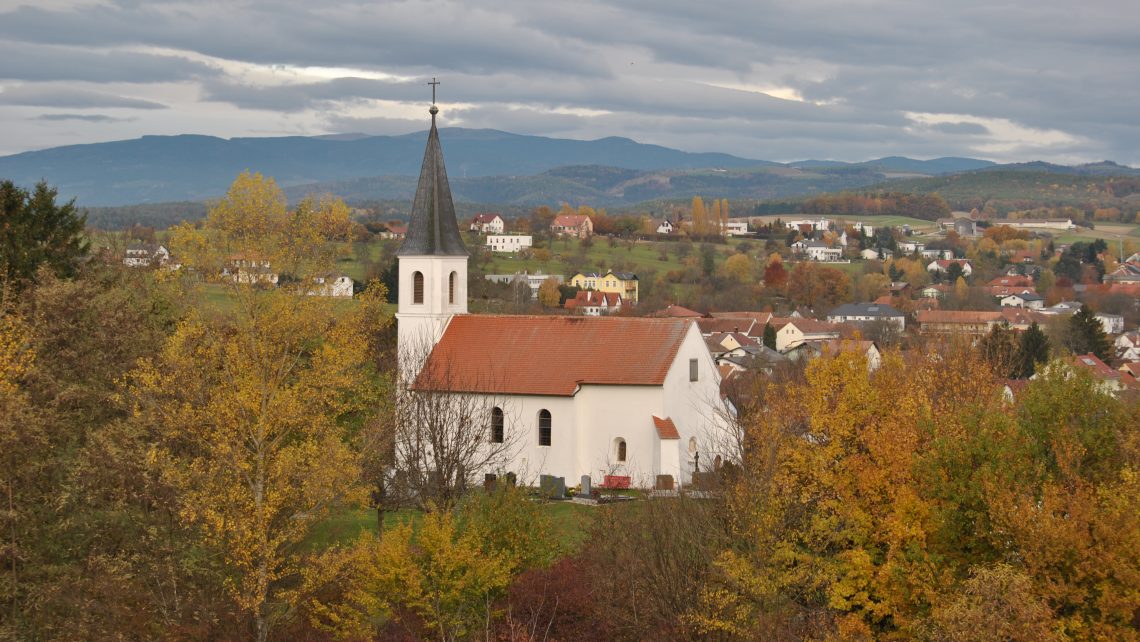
{"type": "Point", "coordinates": [999, 349]}
{"type": "Point", "coordinates": [1086, 334]}
{"type": "Point", "coordinates": [251, 408]}
{"type": "Point", "coordinates": [708, 259]}
{"type": "Point", "coordinates": [445, 441]}
{"type": "Point", "coordinates": [1032, 351]}
{"type": "Point", "coordinates": [954, 272]}
{"type": "Point", "coordinates": [35, 231]}
{"type": "Point", "coordinates": [775, 276]}
{"type": "Point", "coordinates": [739, 268]}
{"type": "Point", "coordinates": [961, 290]}
{"type": "Point", "coordinates": [818, 287]}
{"type": "Point", "coordinates": [769, 336]}
{"type": "Point", "coordinates": [548, 293]}
{"type": "Point", "coordinates": [1045, 281]}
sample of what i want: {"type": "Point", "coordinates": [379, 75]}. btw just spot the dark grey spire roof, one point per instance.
{"type": "Point", "coordinates": [433, 229]}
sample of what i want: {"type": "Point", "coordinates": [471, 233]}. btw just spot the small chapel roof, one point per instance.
{"type": "Point", "coordinates": [432, 229]}
{"type": "Point", "coordinates": [542, 355]}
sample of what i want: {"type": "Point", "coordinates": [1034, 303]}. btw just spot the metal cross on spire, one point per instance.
{"type": "Point", "coordinates": [433, 84]}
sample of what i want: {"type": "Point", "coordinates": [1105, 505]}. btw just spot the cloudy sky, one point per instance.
{"type": "Point", "coordinates": [1008, 80]}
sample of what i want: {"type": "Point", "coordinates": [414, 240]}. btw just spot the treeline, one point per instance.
{"type": "Point", "coordinates": [928, 207]}
{"type": "Point", "coordinates": [156, 215]}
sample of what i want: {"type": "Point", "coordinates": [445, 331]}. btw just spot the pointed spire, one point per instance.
{"type": "Point", "coordinates": [432, 229]}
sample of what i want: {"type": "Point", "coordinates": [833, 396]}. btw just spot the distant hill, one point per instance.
{"type": "Point", "coordinates": [191, 168]}
{"type": "Point", "coordinates": [605, 186]}
{"type": "Point", "coordinates": [932, 167]}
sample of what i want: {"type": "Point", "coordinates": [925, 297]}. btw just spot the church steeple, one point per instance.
{"type": "Point", "coordinates": [432, 261]}
{"type": "Point", "coordinates": [432, 230]}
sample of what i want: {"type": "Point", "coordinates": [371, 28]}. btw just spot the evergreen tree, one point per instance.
{"type": "Point", "coordinates": [1032, 349]}
{"type": "Point", "coordinates": [1086, 334]}
{"type": "Point", "coordinates": [35, 231]}
{"type": "Point", "coordinates": [769, 336]}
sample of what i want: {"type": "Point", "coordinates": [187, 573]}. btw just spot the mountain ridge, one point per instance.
{"type": "Point", "coordinates": [195, 167]}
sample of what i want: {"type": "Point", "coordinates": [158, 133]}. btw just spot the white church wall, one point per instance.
{"type": "Point", "coordinates": [695, 406]}
{"type": "Point", "coordinates": [608, 413]}
{"type": "Point", "coordinates": [530, 459]}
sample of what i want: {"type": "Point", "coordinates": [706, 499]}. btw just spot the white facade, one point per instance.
{"type": "Point", "coordinates": [818, 224]}
{"type": "Point", "coordinates": [586, 427]}
{"type": "Point", "coordinates": [442, 291]}
{"type": "Point", "coordinates": [509, 242]}
{"type": "Point", "coordinates": [339, 286]}
{"type": "Point", "coordinates": [736, 228]}
{"type": "Point", "coordinates": [1112, 323]}
{"type": "Point", "coordinates": [495, 225]}
{"type": "Point", "coordinates": [1031, 301]}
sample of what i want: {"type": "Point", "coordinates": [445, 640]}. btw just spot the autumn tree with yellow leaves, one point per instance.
{"type": "Point", "coordinates": [256, 410]}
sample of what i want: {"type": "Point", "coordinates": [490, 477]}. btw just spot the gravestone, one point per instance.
{"type": "Point", "coordinates": [704, 481]}
{"type": "Point", "coordinates": [552, 487]}
{"type": "Point", "coordinates": [585, 485]}
{"type": "Point", "coordinates": [489, 480]}
{"type": "Point", "coordinates": [664, 482]}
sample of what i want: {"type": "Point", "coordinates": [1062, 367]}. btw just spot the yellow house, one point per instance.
{"type": "Point", "coordinates": [623, 283]}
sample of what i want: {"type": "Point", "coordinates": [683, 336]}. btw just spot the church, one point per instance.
{"type": "Point", "coordinates": [571, 396]}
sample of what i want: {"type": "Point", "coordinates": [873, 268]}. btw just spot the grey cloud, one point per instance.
{"type": "Point", "coordinates": [33, 62]}
{"type": "Point", "coordinates": [965, 129]}
{"type": "Point", "coordinates": [69, 98]}
{"type": "Point", "coordinates": [90, 118]}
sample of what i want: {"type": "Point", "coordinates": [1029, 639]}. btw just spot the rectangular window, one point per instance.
{"type": "Point", "coordinates": [692, 369]}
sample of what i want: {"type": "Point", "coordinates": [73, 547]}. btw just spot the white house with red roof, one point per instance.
{"type": "Point", "coordinates": [488, 223]}
{"type": "Point", "coordinates": [592, 303]}
{"type": "Point", "coordinates": [569, 395]}
{"type": "Point", "coordinates": [942, 266]}
{"type": "Point", "coordinates": [576, 225]}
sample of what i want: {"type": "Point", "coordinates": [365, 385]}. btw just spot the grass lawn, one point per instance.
{"type": "Point", "coordinates": [569, 522]}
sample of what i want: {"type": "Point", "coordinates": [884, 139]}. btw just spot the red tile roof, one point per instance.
{"type": "Point", "coordinates": [538, 355]}
{"type": "Point", "coordinates": [1132, 368]}
{"type": "Point", "coordinates": [569, 220]}
{"type": "Point", "coordinates": [666, 429]}
{"type": "Point", "coordinates": [957, 316]}
{"type": "Point", "coordinates": [484, 218]}
{"type": "Point", "coordinates": [1093, 364]}
{"type": "Point", "coordinates": [678, 312]}
{"type": "Point", "coordinates": [593, 298]}
{"type": "Point", "coordinates": [712, 326]}
{"type": "Point", "coordinates": [761, 317]}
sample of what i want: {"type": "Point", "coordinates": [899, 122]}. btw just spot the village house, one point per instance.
{"type": "Point", "coordinates": [1025, 299]}
{"type": "Point", "coordinates": [488, 223]}
{"type": "Point", "coordinates": [814, 350]}
{"type": "Point", "coordinates": [571, 396]}
{"type": "Point", "coordinates": [798, 331]}
{"type": "Point", "coordinates": [249, 270]}
{"type": "Point", "coordinates": [1128, 346]}
{"type": "Point", "coordinates": [146, 255]}
{"type": "Point", "coordinates": [509, 242]}
{"type": "Point", "coordinates": [736, 228]}
{"type": "Point", "coordinates": [872, 254]}
{"type": "Point", "coordinates": [962, 225]}
{"type": "Point", "coordinates": [623, 283]}
{"type": "Point", "coordinates": [662, 225]}
{"type": "Point", "coordinates": [1039, 223]}
{"type": "Point", "coordinates": [396, 231]}
{"type": "Point", "coordinates": [1124, 273]}
{"type": "Point", "coordinates": [957, 321]}
{"type": "Point", "coordinates": [935, 291]}
{"type": "Point", "coordinates": [817, 251]}
{"type": "Point", "coordinates": [942, 266]}
{"type": "Point", "coordinates": [815, 224]}
{"type": "Point", "coordinates": [1111, 381]}
{"type": "Point", "coordinates": [332, 285]}
{"type": "Point", "coordinates": [591, 303]}
{"type": "Point", "coordinates": [1112, 323]}
{"type": "Point", "coordinates": [575, 225]}
{"type": "Point", "coordinates": [867, 312]}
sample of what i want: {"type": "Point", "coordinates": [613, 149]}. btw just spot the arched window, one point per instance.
{"type": "Point", "coordinates": [717, 463]}
{"type": "Point", "coordinates": [692, 445]}
{"type": "Point", "coordinates": [544, 427]}
{"type": "Point", "coordinates": [417, 287]}
{"type": "Point", "coordinates": [497, 425]}
{"type": "Point", "coordinates": [451, 285]}
{"type": "Point", "coordinates": [620, 449]}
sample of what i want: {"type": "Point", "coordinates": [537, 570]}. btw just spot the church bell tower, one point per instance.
{"type": "Point", "coordinates": [432, 261]}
